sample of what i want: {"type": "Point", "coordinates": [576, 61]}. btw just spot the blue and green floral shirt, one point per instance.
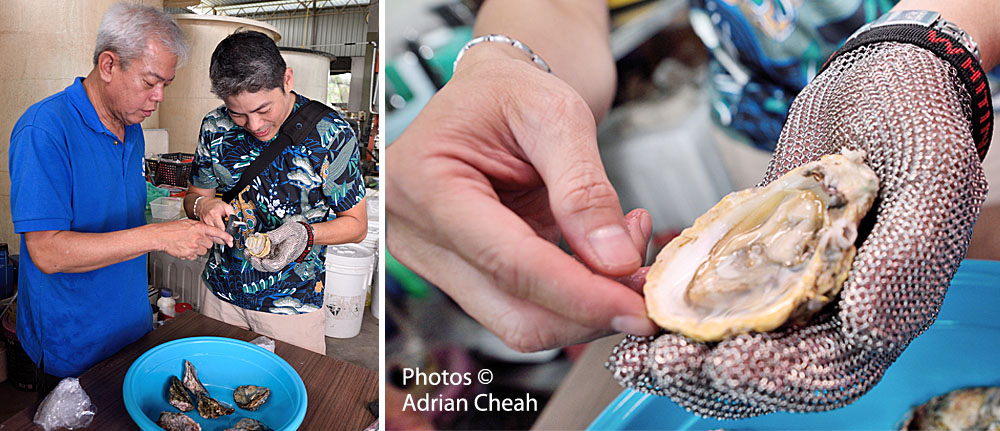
{"type": "Point", "coordinates": [309, 181]}
{"type": "Point", "coordinates": [768, 50]}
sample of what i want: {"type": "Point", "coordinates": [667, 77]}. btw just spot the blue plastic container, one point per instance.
{"type": "Point", "coordinates": [960, 349]}
{"type": "Point", "coordinates": [222, 364]}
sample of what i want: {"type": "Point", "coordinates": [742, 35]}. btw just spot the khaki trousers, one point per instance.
{"type": "Point", "coordinates": [307, 330]}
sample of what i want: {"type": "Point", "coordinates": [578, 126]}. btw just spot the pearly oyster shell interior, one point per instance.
{"type": "Point", "coordinates": [763, 256]}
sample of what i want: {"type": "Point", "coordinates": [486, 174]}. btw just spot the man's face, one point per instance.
{"type": "Point", "coordinates": [262, 113]}
{"type": "Point", "coordinates": [135, 91]}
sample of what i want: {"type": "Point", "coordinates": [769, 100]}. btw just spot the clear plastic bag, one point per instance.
{"type": "Point", "coordinates": [264, 342]}
{"type": "Point", "coordinates": [67, 406]}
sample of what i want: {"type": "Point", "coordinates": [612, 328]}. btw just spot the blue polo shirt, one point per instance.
{"type": "Point", "coordinates": [69, 172]}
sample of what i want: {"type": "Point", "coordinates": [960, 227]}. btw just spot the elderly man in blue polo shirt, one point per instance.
{"type": "Point", "coordinates": [78, 199]}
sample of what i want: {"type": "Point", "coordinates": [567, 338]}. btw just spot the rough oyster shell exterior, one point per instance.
{"type": "Point", "coordinates": [178, 396]}
{"type": "Point", "coordinates": [210, 408]}
{"type": "Point", "coordinates": [191, 381]}
{"type": "Point", "coordinates": [250, 397]}
{"type": "Point", "coordinates": [247, 424]}
{"type": "Point", "coordinates": [177, 422]}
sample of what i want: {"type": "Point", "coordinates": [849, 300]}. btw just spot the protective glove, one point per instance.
{"type": "Point", "coordinates": [906, 109]}
{"type": "Point", "coordinates": [289, 243]}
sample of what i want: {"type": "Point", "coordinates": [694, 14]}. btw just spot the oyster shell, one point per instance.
{"type": "Point", "coordinates": [210, 408]}
{"type": "Point", "coordinates": [258, 245]}
{"type": "Point", "coordinates": [962, 409]}
{"type": "Point", "coordinates": [178, 395]}
{"type": "Point", "coordinates": [247, 424]}
{"type": "Point", "coordinates": [191, 381]}
{"type": "Point", "coordinates": [250, 397]}
{"type": "Point", "coordinates": [177, 422]}
{"type": "Point", "coordinates": [763, 256]}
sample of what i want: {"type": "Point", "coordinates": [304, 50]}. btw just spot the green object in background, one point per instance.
{"type": "Point", "coordinates": [153, 192]}
{"type": "Point", "coordinates": [444, 56]}
{"type": "Point", "coordinates": [412, 283]}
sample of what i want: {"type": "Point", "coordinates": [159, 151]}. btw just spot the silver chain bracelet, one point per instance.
{"type": "Point", "coordinates": [194, 208]}
{"type": "Point", "coordinates": [502, 39]}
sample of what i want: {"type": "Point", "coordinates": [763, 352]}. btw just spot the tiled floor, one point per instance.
{"type": "Point", "coordinates": [361, 350]}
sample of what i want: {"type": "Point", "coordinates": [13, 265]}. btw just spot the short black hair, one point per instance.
{"type": "Point", "coordinates": [246, 61]}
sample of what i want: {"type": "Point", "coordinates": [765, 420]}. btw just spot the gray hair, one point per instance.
{"type": "Point", "coordinates": [126, 28]}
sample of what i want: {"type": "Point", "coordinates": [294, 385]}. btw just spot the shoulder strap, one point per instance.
{"type": "Point", "coordinates": [293, 130]}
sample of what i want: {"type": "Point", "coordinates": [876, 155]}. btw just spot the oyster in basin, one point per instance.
{"type": "Point", "coordinates": [763, 256]}
{"type": "Point", "coordinates": [250, 396]}
{"type": "Point", "coordinates": [210, 408]}
{"type": "Point", "coordinates": [177, 422]}
{"type": "Point", "coordinates": [247, 424]}
{"type": "Point", "coordinates": [191, 381]}
{"type": "Point", "coordinates": [178, 396]}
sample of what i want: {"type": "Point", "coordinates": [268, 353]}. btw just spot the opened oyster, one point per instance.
{"type": "Point", "coordinates": [210, 408]}
{"type": "Point", "coordinates": [177, 422]}
{"type": "Point", "coordinates": [247, 424]}
{"type": "Point", "coordinates": [178, 396]}
{"type": "Point", "coordinates": [250, 397]}
{"type": "Point", "coordinates": [258, 245]}
{"type": "Point", "coordinates": [191, 381]}
{"type": "Point", "coordinates": [763, 256]}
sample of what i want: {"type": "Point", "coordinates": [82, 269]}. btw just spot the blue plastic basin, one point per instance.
{"type": "Point", "coordinates": [960, 349]}
{"type": "Point", "coordinates": [222, 364]}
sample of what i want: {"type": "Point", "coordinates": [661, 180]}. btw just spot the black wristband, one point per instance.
{"type": "Point", "coordinates": [309, 242]}
{"type": "Point", "coordinates": [970, 71]}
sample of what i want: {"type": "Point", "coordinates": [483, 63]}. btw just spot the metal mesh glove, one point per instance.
{"type": "Point", "coordinates": [289, 243]}
{"type": "Point", "coordinates": [906, 108]}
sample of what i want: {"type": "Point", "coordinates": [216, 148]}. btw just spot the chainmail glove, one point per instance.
{"type": "Point", "coordinates": [288, 243]}
{"type": "Point", "coordinates": [906, 108]}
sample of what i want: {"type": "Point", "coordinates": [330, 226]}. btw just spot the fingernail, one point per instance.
{"type": "Point", "coordinates": [613, 246]}
{"type": "Point", "coordinates": [634, 325]}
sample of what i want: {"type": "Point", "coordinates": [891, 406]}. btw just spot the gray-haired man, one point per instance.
{"type": "Point", "coordinates": [78, 197]}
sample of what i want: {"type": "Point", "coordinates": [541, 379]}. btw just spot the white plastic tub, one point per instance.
{"type": "Point", "coordinates": [166, 207]}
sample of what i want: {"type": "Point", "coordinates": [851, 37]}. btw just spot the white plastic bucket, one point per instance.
{"type": "Point", "coordinates": [348, 272]}
{"type": "Point", "coordinates": [376, 292]}
{"type": "Point", "coordinates": [371, 242]}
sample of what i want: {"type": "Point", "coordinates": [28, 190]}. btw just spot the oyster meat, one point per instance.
{"type": "Point", "coordinates": [962, 409]}
{"type": "Point", "coordinates": [210, 408]}
{"type": "Point", "coordinates": [258, 245]}
{"type": "Point", "coordinates": [764, 256]}
{"type": "Point", "coordinates": [178, 395]}
{"type": "Point", "coordinates": [250, 397]}
{"type": "Point", "coordinates": [191, 381]}
{"type": "Point", "coordinates": [247, 424]}
{"type": "Point", "coordinates": [177, 422]}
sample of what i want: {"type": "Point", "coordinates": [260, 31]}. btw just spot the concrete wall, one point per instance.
{"type": "Point", "coordinates": [44, 46]}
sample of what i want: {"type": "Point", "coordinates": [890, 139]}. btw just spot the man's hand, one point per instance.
{"type": "Point", "coordinates": [500, 164]}
{"type": "Point", "coordinates": [900, 104]}
{"type": "Point", "coordinates": [213, 211]}
{"type": "Point", "coordinates": [287, 243]}
{"type": "Point", "coordinates": [188, 239]}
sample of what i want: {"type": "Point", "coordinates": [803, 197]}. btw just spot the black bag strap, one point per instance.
{"type": "Point", "coordinates": [293, 130]}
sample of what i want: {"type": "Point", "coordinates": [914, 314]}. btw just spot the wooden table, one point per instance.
{"type": "Point", "coordinates": [338, 392]}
